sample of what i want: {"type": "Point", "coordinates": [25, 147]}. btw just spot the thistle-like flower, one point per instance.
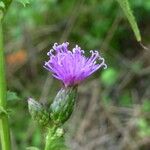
{"type": "Point", "coordinates": [72, 67]}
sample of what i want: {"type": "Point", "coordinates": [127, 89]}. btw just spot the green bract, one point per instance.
{"type": "Point", "coordinates": [63, 105]}
{"type": "Point", "coordinates": [38, 112]}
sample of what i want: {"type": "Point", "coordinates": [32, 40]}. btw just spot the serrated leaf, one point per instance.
{"type": "Point", "coordinates": [128, 12]}
{"type": "Point", "coordinates": [11, 96]}
{"type": "Point", "coordinates": [24, 2]}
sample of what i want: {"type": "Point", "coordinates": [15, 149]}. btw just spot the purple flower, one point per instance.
{"type": "Point", "coordinates": [72, 67]}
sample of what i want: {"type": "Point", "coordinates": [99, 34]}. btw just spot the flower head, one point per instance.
{"type": "Point", "coordinates": [72, 67]}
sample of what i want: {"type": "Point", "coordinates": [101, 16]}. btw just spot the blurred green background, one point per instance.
{"type": "Point", "coordinates": [113, 107]}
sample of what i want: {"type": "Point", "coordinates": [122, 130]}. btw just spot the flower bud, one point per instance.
{"type": "Point", "coordinates": [63, 104]}
{"type": "Point", "coordinates": [38, 112]}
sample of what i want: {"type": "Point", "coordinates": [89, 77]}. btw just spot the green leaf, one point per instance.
{"type": "Point", "coordinates": [32, 148]}
{"type": "Point", "coordinates": [2, 8]}
{"type": "Point", "coordinates": [125, 99]}
{"type": "Point", "coordinates": [128, 12]}
{"type": "Point", "coordinates": [144, 128]}
{"type": "Point", "coordinates": [146, 106]}
{"type": "Point", "coordinates": [106, 98]}
{"type": "Point", "coordinates": [24, 2]}
{"type": "Point", "coordinates": [2, 5]}
{"type": "Point", "coordinates": [11, 96]}
{"type": "Point", "coordinates": [1, 15]}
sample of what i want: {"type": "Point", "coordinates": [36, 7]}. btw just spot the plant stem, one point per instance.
{"type": "Point", "coordinates": [4, 126]}
{"type": "Point", "coordinates": [55, 139]}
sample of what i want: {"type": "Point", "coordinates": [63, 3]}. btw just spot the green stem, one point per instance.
{"type": "Point", "coordinates": [55, 139]}
{"type": "Point", "coordinates": [4, 126]}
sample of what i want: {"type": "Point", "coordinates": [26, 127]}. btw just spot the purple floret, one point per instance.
{"type": "Point", "coordinates": [72, 67]}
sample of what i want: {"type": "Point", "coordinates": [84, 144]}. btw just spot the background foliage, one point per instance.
{"type": "Point", "coordinates": [123, 88]}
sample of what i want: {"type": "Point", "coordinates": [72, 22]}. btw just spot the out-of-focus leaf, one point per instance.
{"type": "Point", "coordinates": [125, 99]}
{"type": "Point", "coordinates": [128, 12]}
{"type": "Point", "coordinates": [1, 14]}
{"type": "Point", "coordinates": [106, 98]}
{"type": "Point", "coordinates": [146, 106]}
{"type": "Point", "coordinates": [109, 76]}
{"type": "Point", "coordinates": [32, 148]}
{"type": "Point", "coordinates": [2, 5]}
{"type": "Point", "coordinates": [144, 128]}
{"type": "Point", "coordinates": [11, 96]}
{"type": "Point", "coordinates": [24, 2]}
{"type": "Point", "coordinates": [140, 3]}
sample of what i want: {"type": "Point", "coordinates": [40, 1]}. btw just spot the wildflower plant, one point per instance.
{"type": "Point", "coordinates": [71, 68]}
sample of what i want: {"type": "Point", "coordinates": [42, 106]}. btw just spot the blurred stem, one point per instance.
{"type": "Point", "coordinates": [4, 127]}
